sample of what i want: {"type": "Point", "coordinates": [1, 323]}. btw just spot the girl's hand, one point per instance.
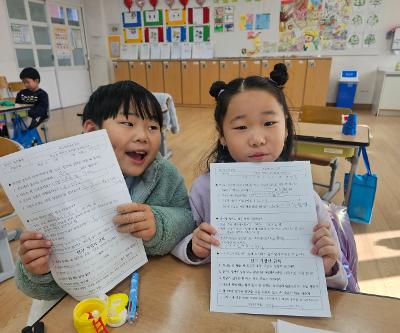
{"type": "Point", "coordinates": [136, 219]}
{"type": "Point", "coordinates": [203, 238]}
{"type": "Point", "coordinates": [325, 246]}
{"type": "Point", "coordinates": [34, 252]}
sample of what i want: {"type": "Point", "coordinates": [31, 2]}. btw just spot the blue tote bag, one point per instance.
{"type": "Point", "coordinates": [24, 136]}
{"type": "Point", "coordinates": [362, 197]}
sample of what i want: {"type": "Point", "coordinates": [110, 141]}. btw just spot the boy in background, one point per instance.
{"type": "Point", "coordinates": [32, 94]}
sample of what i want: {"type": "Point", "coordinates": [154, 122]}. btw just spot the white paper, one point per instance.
{"type": "Point", "coordinates": [186, 50]}
{"type": "Point", "coordinates": [264, 214]}
{"type": "Point", "coordinates": [286, 327]}
{"type": "Point", "coordinates": [144, 51]}
{"type": "Point", "coordinates": [129, 51]}
{"type": "Point", "coordinates": [175, 51]}
{"type": "Point", "coordinates": [165, 51]}
{"type": "Point", "coordinates": [197, 51]}
{"type": "Point", "coordinates": [198, 15]}
{"type": "Point", "coordinates": [69, 190]}
{"type": "Point", "coordinates": [155, 51]}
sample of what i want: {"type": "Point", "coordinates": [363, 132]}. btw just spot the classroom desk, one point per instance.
{"type": "Point", "coordinates": [175, 298]}
{"type": "Point", "coordinates": [16, 107]}
{"type": "Point", "coordinates": [328, 140]}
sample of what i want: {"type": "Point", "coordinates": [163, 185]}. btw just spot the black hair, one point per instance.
{"type": "Point", "coordinates": [106, 102]}
{"type": "Point", "coordinates": [29, 73]}
{"type": "Point", "coordinates": [223, 94]}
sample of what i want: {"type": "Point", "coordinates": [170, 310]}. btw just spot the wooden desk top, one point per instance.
{"type": "Point", "coordinates": [327, 133]}
{"type": "Point", "coordinates": [175, 297]}
{"type": "Point", "coordinates": [16, 107]}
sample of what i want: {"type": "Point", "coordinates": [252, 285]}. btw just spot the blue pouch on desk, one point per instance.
{"type": "Point", "coordinates": [362, 197]}
{"type": "Point", "coordinates": [24, 136]}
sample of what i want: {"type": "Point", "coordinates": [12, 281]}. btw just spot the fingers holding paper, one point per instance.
{"type": "Point", "coordinates": [136, 219]}
{"type": "Point", "coordinates": [203, 238]}
{"type": "Point", "coordinates": [34, 252]}
{"type": "Point", "coordinates": [325, 246]}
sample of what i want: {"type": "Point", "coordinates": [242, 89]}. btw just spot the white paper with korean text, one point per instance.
{"type": "Point", "coordinates": [69, 190]}
{"type": "Point", "coordinates": [264, 214]}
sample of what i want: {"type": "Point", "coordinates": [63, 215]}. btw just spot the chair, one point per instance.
{"type": "Point", "coordinates": [6, 212]}
{"type": "Point", "coordinates": [4, 91]}
{"type": "Point", "coordinates": [323, 115]}
{"type": "Point", "coordinates": [15, 87]}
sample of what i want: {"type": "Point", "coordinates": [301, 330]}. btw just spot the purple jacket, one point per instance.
{"type": "Point", "coordinates": [200, 204]}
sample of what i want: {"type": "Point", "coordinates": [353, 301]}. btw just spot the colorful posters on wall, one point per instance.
{"type": "Point", "coordinates": [224, 19]}
{"type": "Point", "coordinates": [198, 16]}
{"type": "Point", "coordinates": [176, 34]}
{"type": "Point", "coordinates": [132, 19]}
{"type": "Point", "coordinates": [175, 17]}
{"type": "Point", "coordinates": [263, 21]}
{"type": "Point", "coordinates": [133, 35]}
{"type": "Point", "coordinates": [154, 35]}
{"type": "Point", "coordinates": [153, 18]}
{"type": "Point", "coordinates": [246, 22]}
{"type": "Point", "coordinates": [199, 33]}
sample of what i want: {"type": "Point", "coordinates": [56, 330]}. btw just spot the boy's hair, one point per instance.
{"type": "Point", "coordinates": [29, 73]}
{"type": "Point", "coordinates": [107, 101]}
{"type": "Point", "coordinates": [223, 94]}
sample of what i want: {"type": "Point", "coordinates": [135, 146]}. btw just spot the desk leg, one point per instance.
{"type": "Point", "coordinates": [353, 170]}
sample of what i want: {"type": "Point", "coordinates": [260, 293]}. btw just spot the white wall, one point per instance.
{"type": "Point", "coordinates": [100, 13]}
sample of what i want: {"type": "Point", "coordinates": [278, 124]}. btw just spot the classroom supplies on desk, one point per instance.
{"type": "Point", "coordinates": [350, 126]}
{"type": "Point", "coordinates": [90, 316]}
{"type": "Point", "coordinates": [133, 292]}
{"type": "Point", "coordinates": [362, 196]}
{"type": "Point", "coordinates": [7, 103]}
{"type": "Point", "coordinates": [117, 313]}
{"type": "Point", "coordinates": [72, 187]}
{"type": "Point", "coordinates": [26, 137]}
{"type": "Point", "coordinates": [37, 327]}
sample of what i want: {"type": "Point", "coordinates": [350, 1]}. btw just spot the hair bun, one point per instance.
{"type": "Point", "coordinates": [216, 88]}
{"type": "Point", "coordinates": [279, 75]}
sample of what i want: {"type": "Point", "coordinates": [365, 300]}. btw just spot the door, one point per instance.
{"type": "Point", "coordinates": [155, 76]}
{"type": "Point", "coordinates": [137, 72]}
{"type": "Point", "coordinates": [30, 35]}
{"type": "Point", "coordinates": [70, 52]}
{"type": "Point", "coordinates": [228, 70]}
{"type": "Point", "coordinates": [173, 80]}
{"type": "Point", "coordinates": [190, 82]}
{"type": "Point", "coordinates": [317, 82]}
{"type": "Point", "coordinates": [209, 73]}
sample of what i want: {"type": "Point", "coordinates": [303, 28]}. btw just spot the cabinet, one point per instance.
{"type": "Point", "coordinates": [209, 73]}
{"type": "Point", "coordinates": [173, 80]}
{"type": "Point", "coordinates": [121, 71]}
{"type": "Point", "coordinates": [228, 70]}
{"type": "Point", "coordinates": [317, 82]}
{"type": "Point", "coordinates": [190, 82]}
{"type": "Point", "coordinates": [249, 68]}
{"type": "Point", "coordinates": [294, 88]}
{"type": "Point", "coordinates": [267, 66]}
{"type": "Point", "coordinates": [137, 72]}
{"type": "Point", "coordinates": [155, 76]}
{"type": "Point", "coordinates": [386, 95]}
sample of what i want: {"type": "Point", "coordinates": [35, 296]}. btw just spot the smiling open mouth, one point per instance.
{"type": "Point", "coordinates": [137, 155]}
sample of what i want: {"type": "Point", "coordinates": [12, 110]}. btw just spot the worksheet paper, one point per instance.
{"type": "Point", "coordinates": [69, 190]}
{"type": "Point", "coordinates": [264, 214]}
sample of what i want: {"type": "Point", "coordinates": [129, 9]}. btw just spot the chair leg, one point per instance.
{"type": "Point", "coordinates": [334, 186]}
{"type": "Point", "coordinates": [44, 129]}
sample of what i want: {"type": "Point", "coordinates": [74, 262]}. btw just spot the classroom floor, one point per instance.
{"type": "Point", "coordinates": [378, 243]}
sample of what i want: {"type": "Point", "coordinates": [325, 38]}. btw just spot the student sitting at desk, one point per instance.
{"type": "Point", "coordinates": [160, 212]}
{"type": "Point", "coordinates": [254, 125]}
{"type": "Point", "coordinates": [32, 94]}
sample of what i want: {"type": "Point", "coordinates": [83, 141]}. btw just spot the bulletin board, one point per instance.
{"type": "Point", "coordinates": [256, 28]}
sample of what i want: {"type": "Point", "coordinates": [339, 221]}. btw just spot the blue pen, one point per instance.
{"type": "Point", "coordinates": [132, 305]}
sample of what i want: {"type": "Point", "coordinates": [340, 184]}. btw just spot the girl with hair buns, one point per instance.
{"type": "Point", "coordinates": [254, 125]}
